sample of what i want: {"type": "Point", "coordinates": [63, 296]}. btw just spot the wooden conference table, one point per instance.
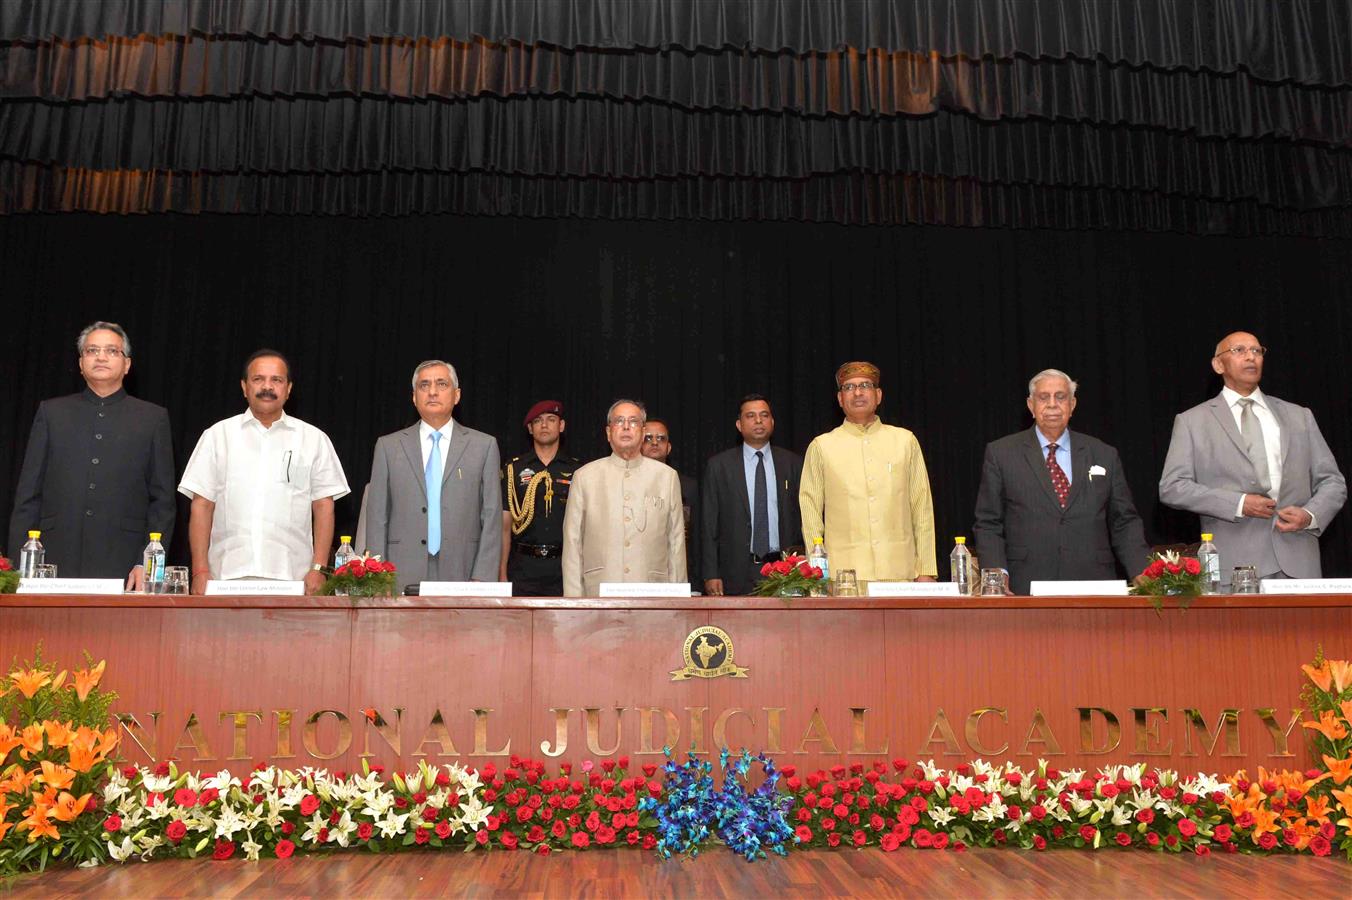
{"type": "Point", "coordinates": [220, 682]}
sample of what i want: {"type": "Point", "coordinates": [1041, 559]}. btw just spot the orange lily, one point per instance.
{"type": "Point", "coordinates": [1328, 725]}
{"type": "Point", "coordinates": [7, 740]}
{"type": "Point", "coordinates": [1317, 807]}
{"type": "Point", "coordinates": [17, 780]}
{"type": "Point", "coordinates": [38, 824]}
{"type": "Point", "coordinates": [56, 776]}
{"type": "Point", "coordinates": [1344, 799]}
{"type": "Point", "coordinates": [1341, 670]}
{"type": "Point", "coordinates": [58, 733]}
{"type": "Point", "coordinates": [30, 681]}
{"type": "Point", "coordinates": [1340, 769]}
{"type": "Point", "coordinates": [1322, 677]}
{"type": "Point", "coordinates": [87, 679]}
{"type": "Point", "coordinates": [59, 680]}
{"type": "Point", "coordinates": [1264, 820]}
{"type": "Point", "coordinates": [67, 808]}
{"type": "Point", "coordinates": [1346, 707]}
{"type": "Point", "coordinates": [6, 826]}
{"type": "Point", "coordinates": [47, 797]}
{"type": "Point", "coordinates": [32, 739]}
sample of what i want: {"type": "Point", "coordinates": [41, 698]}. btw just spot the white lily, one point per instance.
{"type": "Point", "coordinates": [392, 825]}
{"type": "Point", "coordinates": [222, 781]}
{"type": "Point", "coordinates": [343, 829]}
{"type": "Point", "coordinates": [121, 852]}
{"type": "Point", "coordinates": [941, 815]}
{"type": "Point", "coordinates": [317, 824]}
{"type": "Point", "coordinates": [229, 822]}
{"type": "Point", "coordinates": [250, 848]}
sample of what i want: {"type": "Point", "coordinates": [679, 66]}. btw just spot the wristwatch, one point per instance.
{"type": "Point", "coordinates": [316, 567]}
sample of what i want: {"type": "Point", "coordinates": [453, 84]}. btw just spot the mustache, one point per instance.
{"type": "Point", "coordinates": [266, 394]}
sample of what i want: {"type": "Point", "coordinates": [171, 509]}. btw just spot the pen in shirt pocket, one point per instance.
{"type": "Point", "coordinates": [288, 466]}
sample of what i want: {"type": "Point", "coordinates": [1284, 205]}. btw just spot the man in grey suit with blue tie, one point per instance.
{"type": "Point", "coordinates": [433, 507]}
{"type": "Point", "coordinates": [1256, 469]}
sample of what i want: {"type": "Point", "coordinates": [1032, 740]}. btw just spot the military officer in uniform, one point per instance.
{"type": "Point", "coordinates": [534, 492]}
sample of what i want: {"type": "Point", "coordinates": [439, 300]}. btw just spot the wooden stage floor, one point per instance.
{"type": "Point", "coordinates": [868, 873]}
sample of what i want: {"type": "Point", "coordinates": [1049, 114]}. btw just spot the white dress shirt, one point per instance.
{"type": "Point", "coordinates": [425, 442]}
{"type": "Point", "coordinates": [263, 481]}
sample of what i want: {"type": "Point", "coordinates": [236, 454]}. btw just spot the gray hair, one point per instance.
{"type": "Point", "coordinates": [103, 326]}
{"type": "Point", "coordinates": [1051, 373]}
{"type": "Point", "coordinates": [429, 363]}
{"type": "Point", "coordinates": [642, 410]}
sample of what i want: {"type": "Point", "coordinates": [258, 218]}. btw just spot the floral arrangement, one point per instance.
{"type": "Point", "coordinates": [9, 576]}
{"type": "Point", "coordinates": [691, 810]}
{"type": "Point", "coordinates": [791, 577]}
{"type": "Point", "coordinates": [1169, 574]}
{"type": "Point", "coordinates": [362, 576]}
{"type": "Point", "coordinates": [51, 764]}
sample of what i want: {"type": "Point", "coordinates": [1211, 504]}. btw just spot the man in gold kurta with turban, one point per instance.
{"type": "Point", "coordinates": [865, 489]}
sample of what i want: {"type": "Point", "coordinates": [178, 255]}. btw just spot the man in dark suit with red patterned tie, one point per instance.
{"type": "Point", "coordinates": [1054, 504]}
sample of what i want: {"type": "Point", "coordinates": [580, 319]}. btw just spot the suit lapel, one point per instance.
{"type": "Point", "coordinates": [409, 440]}
{"type": "Point", "coordinates": [1079, 466]}
{"type": "Point", "coordinates": [1032, 453]}
{"type": "Point", "coordinates": [1280, 413]}
{"type": "Point", "coordinates": [1226, 419]}
{"type": "Point", "coordinates": [454, 450]}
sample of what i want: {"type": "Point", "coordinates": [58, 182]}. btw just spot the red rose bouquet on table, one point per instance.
{"type": "Point", "coordinates": [365, 576]}
{"type": "Point", "coordinates": [9, 576]}
{"type": "Point", "coordinates": [1169, 574]}
{"type": "Point", "coordinates": [791, 577]}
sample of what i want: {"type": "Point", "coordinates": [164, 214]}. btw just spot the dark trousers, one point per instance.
{"type": "Point", "coordinates": [532, 576]}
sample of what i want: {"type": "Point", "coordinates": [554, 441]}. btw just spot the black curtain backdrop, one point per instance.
{"type": "Point", "coordinates": [687, 316]}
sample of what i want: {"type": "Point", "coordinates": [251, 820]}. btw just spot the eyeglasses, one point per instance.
{"type": "Point", "coordinates": [1242, 351]}
{"type": "Point", "coordinates": [631, 422]}
{"type": "Point", "coordinates": [442, 384]}
{"type": "Point", "coordinates": [111, 352]}
{"type": "Point", "coordinates": [853, 386]}
{"type": "Point", "coordinates": [655, 439]}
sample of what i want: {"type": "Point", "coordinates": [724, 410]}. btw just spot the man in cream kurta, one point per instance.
{"type": "Point", "coordinates": [624, 520]}
{"type": "Point", "coordinates": [865, 489]}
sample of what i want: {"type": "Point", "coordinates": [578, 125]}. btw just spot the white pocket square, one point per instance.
{"type": "Point", "coordinates": [1096, 470]}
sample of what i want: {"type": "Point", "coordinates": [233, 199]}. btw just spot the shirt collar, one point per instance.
{"type": "Point", "coordinates": [425, 430]}
{"type": "Point", "coordinates": [749, 452]}
{"type": "Point", "coordinates": [1233, 397]}
{"type": "Point", "coordinates": [1062, 443]}
{"type": "Point", "coordinates": [622, 463]}
{"type": "Point", "coordinates": [283, 422]}
{"type": "Point", "coordinates": [867, 428]}
{"type": "Point", "coordinates": [116, 396]}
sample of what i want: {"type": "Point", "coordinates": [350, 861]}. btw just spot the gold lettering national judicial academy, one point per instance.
{"type": "Point", "coordinates": [707, 653]}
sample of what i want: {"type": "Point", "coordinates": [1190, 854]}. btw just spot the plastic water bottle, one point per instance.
{"type": "Point", "coordinates": [818, 559]}
{"type": "Point", "coordinates": [31, 556]}
{"type": "Point", "coordinates": [960, 566]}
{"type": "Point", "coordinates": [152, 559]}
{"type": "Point", "coordinates": [1210, 558]}
{"type": "Point", "coordinates": [345, 552]}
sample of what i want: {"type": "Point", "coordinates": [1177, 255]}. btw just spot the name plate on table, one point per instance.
{"type": "Point", "coordinates": [71, 585]}
{"type": "Point", "coordinates": [912, 589]}
{"type": "Point", "coordinates": [1306, 585]}
{"type": "Point", "coordinates": [465, 589]}
{"type": "Point", "coordinates": [645, 589]}
{"type": "Point", "coordinates": [1078, 588]}
{"type": "Point", "coordinates": [255, 588]}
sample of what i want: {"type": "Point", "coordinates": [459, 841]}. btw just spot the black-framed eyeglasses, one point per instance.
{"type": "Point", "coordinates": [853, 386]}
{"type": "Point", "coordinates": [655, 439]}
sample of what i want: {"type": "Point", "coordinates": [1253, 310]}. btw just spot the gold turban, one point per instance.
{"type": "Point", "coordinates": [858, 369]}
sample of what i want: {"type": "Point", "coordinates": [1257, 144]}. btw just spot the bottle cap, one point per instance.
{"type": "Point", "coordinates": [35, 534]}
{"type": "Point", "coordinates": [155, 535]}
{"type": "Point", "coordinates": [1206, 537]}
{"type": "Point", "coordinates": [345, 539]}
{"type": "Point", "coordinates": [816, 540]}
{"type": "Point", "coordinates": [959, 540]}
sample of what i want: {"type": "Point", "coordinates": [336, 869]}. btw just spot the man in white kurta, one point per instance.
{"type": "Point", "coordinates": [262, 486]}
{"type": "Point", "coordinates": [866, 491]}
{"type": "Point", "coordinates": [624, 520]}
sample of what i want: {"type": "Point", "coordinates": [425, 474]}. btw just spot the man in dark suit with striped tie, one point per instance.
{"type": "Point", "coordinates": [749, 504]}
{"type": "Point", "coordinates": [1054, 504]}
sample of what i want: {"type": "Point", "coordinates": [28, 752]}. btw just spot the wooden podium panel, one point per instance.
{"type": "Point", "coordinates": [223, 682]}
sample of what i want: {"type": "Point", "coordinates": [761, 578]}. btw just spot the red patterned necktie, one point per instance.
{"type": "Point", "coordinates": [1059, 481]}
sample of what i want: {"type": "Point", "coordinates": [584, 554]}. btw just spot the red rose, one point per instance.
{"type": "Point", "coordinates": [112, 823]}
{"type": "Point", "coordinates": [1145, 815]}
{"type": "Point", "coordinates": [581, 839]}
{"type": "Point", "coordinates": [1152, 839]}
{"type": "Point", "coordinates": [1154, 570]}
{"type": "Point", "coordinates": [765, 569]}
{"type": "Point", "coordinates": [923, 838]}
{"type": "Point", "coordinates": [649, 841]}
{"type": "Point", "coordinates": [422, 836]}
{"type": "Point", "coordinates": [1189, 798]}
{"type": "Point", "coordinates": [1039, 842]}
{"type": "Point", "coordinates": [224, 850]}
{"type": "Point", "coordinates": [543, 850]}
{"type": "Point", "coordinates": [288, 828]}
{"type": "Point", "coordinates": [1319, 845]}
{"type": "Point", "coordinates": [1268, 840]}
{"type": "Point", "coordinates": [1087, 833]}
{"type": "Point", "coordinates": [1109, 790]}
{"type": "Point", "coordinates": [357, 569]}
{"type": "Point", "coordinates": [890, 842]}
{"type": "Point", "coordinates": [649, 769]}
{"type": "Point", "coordinates": [940, 841]}
{"type": "Point", "coordinates": [162, 769]}
{"type": "Point", "coordinates": [308, 804]}
{"type": "Point", "coordinates": [481, 838]}
{"type": "Point", "coordinates": [559, 829]}
{"type": "Point", "coordinates": [364, 831]}
{"type": "Point", "coordinates": [632, 837]}
{"type": "Point", "coordinates": [5, 564]}
{"type": "Point", "coordinates": [1038, 812]}
{"type": "Point", "coordinates": [859, 838]}
{"type": "Point", "coordinates": [509, 840]}
{"type": "Point", "coordinates": [1192, 566]}
{"type": "Point", "coordinates": [783, 567]}
{"type": "Point", "coordinates": [803, 833]}
{"type": "Point", "coordinates": [443, 829]}
{"type": "Point", "coordinates": [1123, 839]}
{"type": "Point", "coordinates": [1171, 840]}
{"type": "Point", "coordinates": [284, 849]}
{"type": "Point", "coordinates": [1202, 849]}
{"type": "Point", "coordinates": [536, 834]}
{"type": "Point", "coordinates": [1222, 833]}
{"type": "Point", "coordinates": [1058, 832]}
{"type": "Point", "coordinates": [833, 839]}
{"type": "Point", "coordinates": [1187, 827]}
{"type": "Point", "coordinates": [1173, 568]}
{"type": "Point", "coordinates": [185, 797]}
{"type": "Point", "coordinates": [176, 831]}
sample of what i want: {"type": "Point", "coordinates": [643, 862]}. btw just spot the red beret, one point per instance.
{"type": "Point", "coordinates": [543, 407]}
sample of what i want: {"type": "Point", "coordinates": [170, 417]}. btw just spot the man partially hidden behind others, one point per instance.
{"type": "Point", "coordinates": [432, 507]}
{"type": "Point", "coordinates": [98, 475]}
{"type": "Point", "coordinates": [1256, 469]}
{"type": "Point", "coordinates": [1054, 505]}
{"type": "Point", "coordinates": [865, 489]}
{"type": "Point", "coordinates": [624, 520]}
{"type": "Point", "coordinates": [262, 486]}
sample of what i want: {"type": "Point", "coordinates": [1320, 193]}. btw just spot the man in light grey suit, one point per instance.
{"type": "Point", "coordinates": [1054, 504]}
{"type": "Point", "coordinates": [1255, 468]}
{"type": "Point", "coordinates": [457, 534]}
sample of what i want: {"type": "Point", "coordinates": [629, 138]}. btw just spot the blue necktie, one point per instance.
{"type": "Point", "coordinates": [433, 474]}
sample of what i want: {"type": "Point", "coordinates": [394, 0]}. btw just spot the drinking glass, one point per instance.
{"type": "Point", "coordinates": [176, 580]}
{"type": "Point", "coordinates": [992, 583]}
{"type": "Point", "coordinates": [1244, 580]}
{"type": "Point", "coordinates": [847, 585]}
{"type": "Point", "coordinates": [46, 570]}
